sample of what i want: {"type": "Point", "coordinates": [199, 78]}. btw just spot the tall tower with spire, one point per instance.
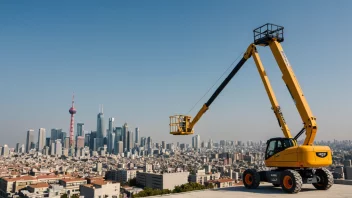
{"type": "Point", "coordinates": [72, 111]}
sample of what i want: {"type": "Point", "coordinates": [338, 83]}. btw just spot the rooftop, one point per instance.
{"type": "Point", "coordinates": [267, 190]}
{"type": "Point", "coordinates": [24, 178]}
{"type": "Point", "coordinates": [73, 180]}
{"type": "Point", "coordinates": [40, 185]}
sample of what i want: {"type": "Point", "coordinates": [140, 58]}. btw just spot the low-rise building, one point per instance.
{"type": "Point", "coordinates": [39, 188]}
{"type": "Point", "coordinates": [121, 175]}
{"type": "Point", "coordinates": [100, 189]}
{"type": "Point", "coordinates": [221, 183]}
{"type": "Point", "coordinates": [129, 191]}
{"type": "Point", "coordinates": [72, 185]}
{"type": "Point", "coordinates": [162, 181]}
{"type": "Point", "coordinates": [9, 186]}
{"type": "Point", "coordinates": [201, 176]}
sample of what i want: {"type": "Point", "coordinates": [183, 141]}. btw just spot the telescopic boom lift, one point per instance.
{"type": "Point", "coordinates": [291, 164]}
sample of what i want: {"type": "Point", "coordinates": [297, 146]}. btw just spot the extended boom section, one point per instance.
{"type": "Point", "coordinates": [182, 124]}
{"type": "Point", "coordinates": [296, 92]}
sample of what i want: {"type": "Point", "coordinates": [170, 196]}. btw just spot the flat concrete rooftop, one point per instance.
{"type": "Point", "coordinates": [267, 190]}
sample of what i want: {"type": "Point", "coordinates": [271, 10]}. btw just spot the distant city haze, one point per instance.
{"type": "Point", "coordinates": [147, 60]}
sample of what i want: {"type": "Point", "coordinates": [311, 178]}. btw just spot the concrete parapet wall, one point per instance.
{"type": "Point", "coordinates": [342, 181]}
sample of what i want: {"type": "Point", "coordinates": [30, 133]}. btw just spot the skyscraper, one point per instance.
{"type": "Point", "coordinates": [41, 139]}
{"type": "Point", "coordinates": [5, 151]}
{"type": "Point", "coordinates": [163, 145]}
{"type": "Point", "coordinates": [130, 141]}
{"type": "Point", "coordinates": [17, 148]}
{"type": "Point", "coordinates": [111, 135]}
{"type": "Point", "coordinates": [118, 134]}
{"type": "Point", "coordinates": [137, 136]}
{"type": "Point", "coordinates": [93, 137]}
{"type": "Point", "coordinates": [66, 143]}
{"type": "Point", "coordinates": [80, 129]}
{"type": "Point", "coordinates": [58, 148]}
{"type": "Point", "coordinates": [101, 133]}
{"type": "Point", "coordinates": [29, 140]}
{"type": "Point", "coordinates": [149, 142]}
{"type": "Point", "coordinates": [87, 139]}
{"type": "Point", "coordinates": [124, 135]}
{"type": "Point", "coordinates": [119, 147]}
{"type": "Point", "coordinates": [143, 141]}
{"type": "Point", "coordinates": [47, 141]}
{"type": "Point", "coordinates": [80, 142]}
{"type": "Point", "coordinates": [56, 134]}
{"type": "Point", "coordinates": [196, 141]}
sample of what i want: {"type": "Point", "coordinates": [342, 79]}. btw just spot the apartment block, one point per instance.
{"type": "Point", "coordinates": [121, 175]}
{"type": "Point", "coordinates": [162, 181]}
{"type": "Point", "coordinates": [100, 189]}
{"type": "Point", "coordinates": [72, 185]}
{"type": "Point", "coordinates": [201, 176]}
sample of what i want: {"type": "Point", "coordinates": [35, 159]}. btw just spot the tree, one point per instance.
{"type": "Point", "coordinates": [132, 182]}
{"type": "Point", "coordinates": [64, 196]}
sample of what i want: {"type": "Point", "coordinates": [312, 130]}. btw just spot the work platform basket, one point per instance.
{"type": "Point", "coordinates": [180, 125]}
{"type": "Point", "coordinates": [265, 33]}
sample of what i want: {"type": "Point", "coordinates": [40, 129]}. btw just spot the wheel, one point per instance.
{"type": "Point", "coordinates": [251, 178]}
{"type": "Point", "coordinates": [325, 179]}
{"type": "Point", "coordinates": [291, 181]}
{"type": "Point", "coordinates": [276, 185]}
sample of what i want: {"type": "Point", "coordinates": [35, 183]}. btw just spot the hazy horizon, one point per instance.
{"type": "Point", "coordinates": [145, 61]}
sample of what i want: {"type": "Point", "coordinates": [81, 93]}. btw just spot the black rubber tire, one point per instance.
{"type": "Point", "coordinates": [276, 185]}
{"type": "Point", "coordinates": [326, 179]}
{"type": "Point", "coordinates": [296, 180]}
{"type": "Point", "coordinates": [255, 179]}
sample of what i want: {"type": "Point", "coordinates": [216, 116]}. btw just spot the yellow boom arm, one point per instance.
{"type": "Point", "coordinates": [182, 125]}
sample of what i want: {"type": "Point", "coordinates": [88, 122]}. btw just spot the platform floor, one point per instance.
{"type": "Point", "coordinates": [267, 190]}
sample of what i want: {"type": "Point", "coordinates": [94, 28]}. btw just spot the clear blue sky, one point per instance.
{"type": "Point", "coordinates": [146, 60]}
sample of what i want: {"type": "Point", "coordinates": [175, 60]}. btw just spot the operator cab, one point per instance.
{"type": "Point", "coordinates": [276, 145]}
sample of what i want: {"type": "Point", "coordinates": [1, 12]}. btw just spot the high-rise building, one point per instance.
{"type": "Point", "coordinates": [41, 139]}
{"type": "Point", "coordinates": [5, 151]}
{"type": "Point", "coordinates": [101, 133]}
{"type": "Point", "coordinates": [87, 139]}
{"type": "Point", "coordinates": [80, 129]}
{"type": "Point", "coordinates": [29, 140]}
{"type": "Point", "coordinates": [58, 148]}
{"type": "Point", "coordinates": [124, 135]}
{"type": "Point", "coordinates": [66, 143]}
{"type": "Point", "coordinates": [119, 148]}
{"type": "Point", "coordinates": [111, 135]}
{"type": "Point", "coordinates": [118, 134]}
{"type": "Point", "coordinates": [92, 144]}
{"type": "Point", "coordinates": [63, 136]}
{"type": "Point", "coordinates": [130, 141]}
{"type": "Point", "coordinates": [163, 145]}
{"type": "Point", "coordinates": [17, 149]}
{"type": "Point", "coordinates": [196, 141]}
{"type": "Point", "coordinates": [47, 141]}
{"type": "Point", "coordinates": [52, 148]}
{"type": "Point", "coordinates": [210, 144]}
{"type": "Point", "coordinates": [143, 141]}
{"type": "Point", "coordinates": [136, 136]}
{"type": "Point", "coordinates": [22, 149]}
{"type": "Point", "coordinates": [56, 134]}
{"type": "Point", "coordinates": [79, 142]}
{"type": "Point", "coordinates": [149, 142]}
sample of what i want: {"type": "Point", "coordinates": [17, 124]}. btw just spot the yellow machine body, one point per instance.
{"type": "Point", "coordinates": [301, 157]}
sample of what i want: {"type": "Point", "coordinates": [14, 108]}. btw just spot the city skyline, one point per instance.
{"type": "Point", "coordinates": [143, 77]}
